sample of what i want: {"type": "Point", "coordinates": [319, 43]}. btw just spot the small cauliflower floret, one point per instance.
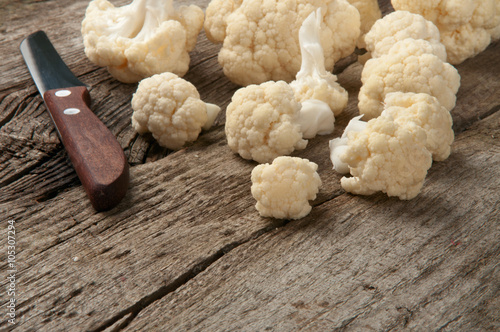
{"type": "Point", "coordinates": [260, 38]}
{"type": "Point", "coordinates": [141, 39]}
{"type": "Point", "coordinates": [262, 122]}
{"type": "Point", "coordinates": [398, 26]}
{"type": "Point", "coordinates": [465, 25]}
{"type": "Point", "coordinates": [386, 157]}
{"type": "Point", "coordinates": [426, 112]}
{"type": "Point", "coordinates": [369, 12]}
{"type": "Point", "coordinates": [170, 108]}
{"type": "Point", "coordinates": [409, 66]}
{"type": "Point", "coordinates": [284, 188]}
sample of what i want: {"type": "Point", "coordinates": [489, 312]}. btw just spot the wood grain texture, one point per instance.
{"type": "Point", "coordinates": [186, 249]}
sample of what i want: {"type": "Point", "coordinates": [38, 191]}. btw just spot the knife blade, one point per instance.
{"type": "Point", "coordinates": [95, 153]}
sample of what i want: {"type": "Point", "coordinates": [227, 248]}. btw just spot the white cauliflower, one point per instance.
{"type": "Point", "coordinates": [260, 38]}
{"type": "Point", "coordinates": [313, 81]}
{"type": "Point", "coordinates": [466, 26]}
{"type": "Point", "coordinates": [369, 12]}
{"type": "Point", "coordinates": [262, 122]}
{"type": "Point", "coordinates": [387, 157]}
{"type": "Point", "coordinates": [398, 26]}
{"type": "Point", "coordinates": [170, 108]}
{"type": "Point", "coordinates": [426, 112]}
{"type": "Point", "coordinates": [409, 66]}
{"type": "Point", "coordinates": [284, 188]}
{"type": "Point", "coordinates": [141, 39]}
{"type": "Point", "coordinates": [315, 88]}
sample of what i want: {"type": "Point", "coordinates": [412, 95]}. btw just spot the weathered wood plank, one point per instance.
{"type": "Point", "coordinates": [364, 263]}
{"type": "Point", "coordinates": [191, 211]}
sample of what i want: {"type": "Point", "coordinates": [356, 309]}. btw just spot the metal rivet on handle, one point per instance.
{"type": "Point", "coordinates": [71, 111]}
{"type": "Point", "coordinates": [63, 93]}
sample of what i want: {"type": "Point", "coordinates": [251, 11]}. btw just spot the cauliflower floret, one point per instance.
{"type": "Point", "coordinates": [141, 39]}
{"type": "Point", "coordinates": [315, 88]}
{"type": "Point", "coordinates": [215, 18]}
{"type": "Point", "coordinates": [284, 188]}
{"type": "Point", "coordinates": [262, 122]}
{"type": "Point", "coordinates": [369, 12]}
{"type": "Point", "coordinates": [261, 37]}
{"type": "Point", "coordinates": [465, 42]}
{"type": "Point", "coordinates": [465, 25]}
{"type": "Point", "coordinates": [386, 157]}
{"type": "Point", "coordinates": [398, 26]}
{"type": "Point", "coordinates": [170, 108]}
{"type": "Point", "coordinates": [426, 112]}
{"type": "Point", "coordinates": [313, 81]}
{"type": "Point", "coordinates": [409, 66]}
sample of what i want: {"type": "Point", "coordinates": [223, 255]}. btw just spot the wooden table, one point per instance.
{"type": "Point", "coordinates": [186, 249]}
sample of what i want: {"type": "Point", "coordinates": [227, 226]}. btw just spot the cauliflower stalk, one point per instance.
{"type": "Point", "coordinates": [143, 38]}
{"type": "Point", "coordinates": [262, 122]}
{"type": "Point", "coordinates": [314, 87]}
{"type": "Point", "coordinates": [409, 66]}
{"type": "Point", "coordinates": [284, 188]}
{"type": "Point", "coordinates": [170, 108]}
{"type": "Point", "coordinates": [383, 156]}
{"type": "Point", "coordinates": [467, 26]}
{"type": "Point", "coordinates": [260, 38]}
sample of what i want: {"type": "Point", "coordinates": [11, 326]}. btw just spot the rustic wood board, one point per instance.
{"type": "Point", "coordinates": [186, 250]}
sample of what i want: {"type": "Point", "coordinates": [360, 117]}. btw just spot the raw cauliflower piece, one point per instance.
{"type": "Point", "coordinates": [465, 25]}
{"type": "Point", "coordinates": [215, 18]}
{"type": "Point", "coordinates": [426, 112]}
{"type": "Point", "coordinates": [141, 39]}
{"type": "Point", "coordinates": [170, 108]}
{"type": "Point", "coordinates": [261, 37]}
{"type": "Point", "coordinates": [369, 12]}
{"type": "Point", "coordinates": [398, 26]}
{"type": "Point", "coordinates": [386, 157]}
{"type": "Point", "coordinates": [315, 88]}
{"type": "Point", "coordinates": [409, 66]}
{"type": "Point", "coordinates": [262, 122]}
{"type": "Point", "coordinates": [284, 188]}
{"type": "Point", "coordinates": [313, 81]}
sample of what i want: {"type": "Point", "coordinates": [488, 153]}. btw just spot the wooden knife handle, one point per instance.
{"type": "Point", "coordinates": [94, 151]}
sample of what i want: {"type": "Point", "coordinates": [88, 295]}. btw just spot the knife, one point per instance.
{"type": "Point", "coordinates": [95, 153]}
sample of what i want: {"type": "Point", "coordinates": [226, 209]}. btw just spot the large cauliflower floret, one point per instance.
{"type": "Point", "coordinates": [398, 26]}
{"type": "Point", "coordinates": [262, 122]}
{"type": "Point", "coordinates": [261, 37]}
{"type": "Point", "coordinates": [170, 108]}
{"type": "Point", "coordinates": [141, 39]}
{"type": "Point", "coordinates": [426, 112]}
{"type": "Point", "coordinates": [369, 12]}
{"type": "Point", "coordinates": [409, 66]}
{"type": "Point", "coordinates": [386, 157]}
{"type": "Point", "coordinates": [466, 26]}
{"type": "Point", "coordinates": [284, 188]}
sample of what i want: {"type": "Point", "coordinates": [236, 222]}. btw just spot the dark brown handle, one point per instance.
{"type": "Point", "coordinates": [94, 151]}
